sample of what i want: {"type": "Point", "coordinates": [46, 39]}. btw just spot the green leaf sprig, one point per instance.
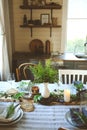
{"type": "Point", "coordinates": [81, 116]}
{"type": "Point", "coordinates": [78, 85]}
{"type": "Point", "coordinates": [10, 110]}
{"type": "Point", "coordinates": [17, 96]}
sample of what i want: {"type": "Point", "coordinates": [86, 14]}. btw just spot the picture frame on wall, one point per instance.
{"type": "Point", "coordinates": [45, 19]}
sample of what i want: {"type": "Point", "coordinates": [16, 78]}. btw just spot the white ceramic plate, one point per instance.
{"type": "Point", "coordinates": [14, 117]}
{"type": "Point", "coordinates": [3, 106]}
{"type": "Point", "coordinates": [14, 121]}
{"type": "Point", "coordinates": [69, 120]}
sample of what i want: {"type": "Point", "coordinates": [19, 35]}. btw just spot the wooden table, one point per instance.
{"type": "Point", "coordinates": [43, 118]}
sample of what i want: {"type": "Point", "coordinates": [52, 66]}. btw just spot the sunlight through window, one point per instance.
{"type": "Point", "coordinates": [76, 25]}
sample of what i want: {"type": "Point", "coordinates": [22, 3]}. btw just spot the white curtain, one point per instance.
{"type": "Point", "coordinates": [5, 43]}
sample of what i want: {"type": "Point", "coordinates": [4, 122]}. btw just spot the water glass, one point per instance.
{"type": "Point", "coordinates": [11, 78]}
{"type": "Point", "coordinates": [83, 100]}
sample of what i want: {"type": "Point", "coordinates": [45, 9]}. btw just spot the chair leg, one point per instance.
{"type": "Point", "coordinates": [17, 74]}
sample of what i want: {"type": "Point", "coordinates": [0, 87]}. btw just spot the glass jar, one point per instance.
{"type": "Point", "coordinates": [83, 100]}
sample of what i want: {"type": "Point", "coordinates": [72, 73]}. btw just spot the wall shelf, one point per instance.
{"type": "Point", "coordinates": [41, 7]}
{"type": "Point", "coordinates": [32, 7]}
{"type": "Point", "coordinates": [39, 26]}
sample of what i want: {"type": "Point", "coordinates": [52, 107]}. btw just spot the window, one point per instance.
{"type": "Point", "coordinates": [76, 26]}
{"type": "Point", "coordinates": [0, 50]}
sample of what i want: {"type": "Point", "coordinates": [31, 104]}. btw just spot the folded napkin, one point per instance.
{"type": "Point", "coordinates": [78, 118]}
{"type": "Point", "coordinates": [8, 112]}
{"type": "Point", "coordinates": [12, 91]}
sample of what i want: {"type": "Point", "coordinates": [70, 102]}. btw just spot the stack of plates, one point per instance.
{"type": "Point", "coordinates": [77, 122]}
{"type": "Point", "coordinates": [18, 114]}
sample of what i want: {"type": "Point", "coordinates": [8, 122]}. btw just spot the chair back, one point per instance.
{"type": "Point", "coordinates": [67, 76]}
{"type": "Point", "coordinates": [23, 72]}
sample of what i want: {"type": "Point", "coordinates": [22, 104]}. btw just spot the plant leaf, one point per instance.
{"type": "Point", "coordinates": [10, 110]}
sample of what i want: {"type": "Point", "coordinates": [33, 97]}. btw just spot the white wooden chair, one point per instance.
{"type": "Point", "coordinates": [67, 76]}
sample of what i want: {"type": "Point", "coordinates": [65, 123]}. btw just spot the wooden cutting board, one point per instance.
{"type": "Point", "coordinates": [36, 46]}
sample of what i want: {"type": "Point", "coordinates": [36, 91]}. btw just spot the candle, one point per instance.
{"type": "Point", "coordinates": [67, 95]}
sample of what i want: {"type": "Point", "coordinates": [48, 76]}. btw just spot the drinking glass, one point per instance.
{"type": "Point", "coordinates": [27, 88]}
{"type": "Point", "coordinates": [11, 78]}
{"type": "Point", "coordinates": [83, 101]}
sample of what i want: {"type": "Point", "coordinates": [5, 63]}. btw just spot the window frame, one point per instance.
{"type": "Point", "coordinates": [65, 25]}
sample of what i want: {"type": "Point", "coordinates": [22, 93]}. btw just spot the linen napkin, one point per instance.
{"type": "Point", "coordinates": [8, 112]}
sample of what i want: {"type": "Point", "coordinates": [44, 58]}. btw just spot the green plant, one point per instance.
{"type": "Point", "coordinates": [78, 85]}
{"type": "Point", "coordinates": [17, 96]}
{"type": "Point", "coordinates": [10, 110]}
{"type": "Point", "coordinates": [37, 98]}
{"type": "Point", "coordinates": [81, 116]}
{"type": "Point", "coordinates": [44, 73]}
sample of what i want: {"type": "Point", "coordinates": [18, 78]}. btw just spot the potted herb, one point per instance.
{"type": "Point", "coordinates": [44, 73]}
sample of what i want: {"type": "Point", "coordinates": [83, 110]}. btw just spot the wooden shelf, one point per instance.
{"type": "Point", "coordinates": [41, 7]}
{"type": "Point", "coordinates": [32, 7]}
{"type": "Point", "coordinates": [39, 26]}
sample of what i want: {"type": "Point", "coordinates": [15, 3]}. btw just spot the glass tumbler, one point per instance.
{"type": "Point", "coordinates": [83, 101]}
{"type": "Point", "coordinates": [11, 78]}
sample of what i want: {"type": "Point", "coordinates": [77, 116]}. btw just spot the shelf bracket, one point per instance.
{"type": "Point", "coordinates": [31, 31]}
{"type": "Point", "coordinates": [31, 15]}
{"type": "Point", "coordinates": [51, 13]}
{"type": "Point", "coordinates": [50, 31]}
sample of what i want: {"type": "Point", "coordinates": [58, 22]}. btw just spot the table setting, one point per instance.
{"type": "Point", "coordinates": [10, 113]}
{"type": "Point", "coordinates": [37, 114]}
{"type": "Point", "coordinates": [77, 118]}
